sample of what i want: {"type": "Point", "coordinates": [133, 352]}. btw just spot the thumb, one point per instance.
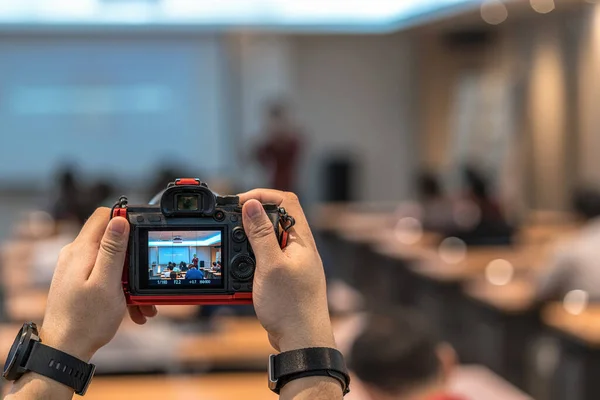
{"type": "Point", "coordinates": [113, 248]}
{"type": "Point", "coordinates": [259, 230]}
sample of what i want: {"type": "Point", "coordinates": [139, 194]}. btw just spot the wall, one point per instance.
{"type": "Point", "coordinates": [589, 88]}
{"type": "Point", "coordinates": [539, 55]}
{"type": "Point", "coordinates": [354, 93]}
{"type": "Point", "coordinates": [349, 93]}
{"type": "Point", "coordinates": [203, 253]}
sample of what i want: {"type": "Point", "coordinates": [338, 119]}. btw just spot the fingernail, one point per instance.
{"type": "Point", "coordinates": [254, 209]}
{"type": "Point", "coordinates": [118, 226]}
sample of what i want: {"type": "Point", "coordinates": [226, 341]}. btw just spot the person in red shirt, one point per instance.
{"type": "Point", "coordinates": [398, 357]}
{"type": "Point", "coordinates": [280, 151]}
{"type": "Point", "coordinates": [195, 261]}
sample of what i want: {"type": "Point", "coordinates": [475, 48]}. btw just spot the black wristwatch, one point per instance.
{"type": "Point", "coordinates": [316, 361]}
{"type": "Point", "coordinates": [29, 354]}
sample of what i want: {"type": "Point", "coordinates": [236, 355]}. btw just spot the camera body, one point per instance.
{"type": "Point", "coordinates": [191, 248]}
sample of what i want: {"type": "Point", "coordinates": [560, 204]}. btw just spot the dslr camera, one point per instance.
{"type": "Point", "coordinates": [191, 248]}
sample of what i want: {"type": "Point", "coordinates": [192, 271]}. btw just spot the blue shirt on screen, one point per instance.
{"type": "Point", "coordinates": [194, 274]}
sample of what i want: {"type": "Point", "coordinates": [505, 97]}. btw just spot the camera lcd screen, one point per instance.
{"type": "Point", "coordinates": [184, 259]}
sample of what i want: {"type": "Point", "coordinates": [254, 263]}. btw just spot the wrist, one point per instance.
{"type": "Point", "coordinates": [308, 336]}
{"type": "Point", "coordinates": [72, 347]}
{"type": "Point", "coordinates": [309, 387]}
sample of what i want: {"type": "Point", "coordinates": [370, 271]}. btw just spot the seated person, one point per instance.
{"type": "Point", "coordinates": [194, 273]}
{"type": "Point", "coordinates": [167, 272]}
{"type": "Point", "coordinates": [397, 357]}
{"type": "Point", "coordinates": [574, 264]}
{"type": "Point", "coordinates": [219, 266]}
{"type": "Point", "coordinates": [183, 266]}
{"type": "Point", "coordinates": [176, 268]}
{"type": "Point", "coordinates": [173, 275]}
{"type": "Point", "coordinates": [214, 266]}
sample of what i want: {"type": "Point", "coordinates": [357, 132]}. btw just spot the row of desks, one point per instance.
{"type": "Point", "coordinates": [497, 325]}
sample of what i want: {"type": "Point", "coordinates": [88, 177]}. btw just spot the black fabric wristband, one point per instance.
{"type": "Point", "coordinates": [61, 367]}
{"type": "Point", "coordinates": [302, 363]}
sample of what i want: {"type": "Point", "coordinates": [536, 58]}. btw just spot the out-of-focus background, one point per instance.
{"type": "Point", "coordinates": [446, 152]}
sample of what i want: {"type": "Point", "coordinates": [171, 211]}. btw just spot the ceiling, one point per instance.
{"type": "Point", "coordinates": [351, 16]}
{"type": "Point", "coordinates": [185, 235]}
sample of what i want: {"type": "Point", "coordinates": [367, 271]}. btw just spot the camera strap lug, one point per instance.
{"type": "Point", "coordinates": [287, 222]}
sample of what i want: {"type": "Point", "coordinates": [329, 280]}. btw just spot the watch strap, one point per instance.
{"type": "Point", "coordinates": [316, 361]}
{"type": "Point", "coordinates": [61, 367]}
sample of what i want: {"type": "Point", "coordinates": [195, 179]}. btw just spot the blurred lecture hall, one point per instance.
{"type": "Point", "coordinates": [442, 153]}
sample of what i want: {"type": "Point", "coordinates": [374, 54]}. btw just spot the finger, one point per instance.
{"type": "Point", "coordinates": [136, 315]}
{"type": "Point", "coordinates": [263, 195]}
{"type": "Point", "coordinates": [287, 200]}
{"type": "Point", "coordinates": [148, 311]}
{"type": "Point", "coordinates": [259, 230]}
{"type": "Point", "coordinates": [111, 256]}
{"type": "Point", "coordinates": [94, 228]}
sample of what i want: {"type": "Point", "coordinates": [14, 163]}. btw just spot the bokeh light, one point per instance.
{"type": "Point", "coordinates": [543, 6]}
{"type": "Point", "coordinates": [453, 250]}
{"type": "Point", "coordinates": [576, 301]}
{"type": "Point", "coordinates": [499, 272]}
{"type": "Point", "coordinates": [408, 230]}
{"type": "Point", "coordinates": [494, 12]}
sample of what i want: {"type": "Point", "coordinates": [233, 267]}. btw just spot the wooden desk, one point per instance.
{"type": "Point", "coordinates": [236, 343]}
{"type": "Point", "coordinates": [168, 387]}
{"type": "Point", "coordinates": [503, 325]}
{"type": "Point", "coordinates": [576, 377]}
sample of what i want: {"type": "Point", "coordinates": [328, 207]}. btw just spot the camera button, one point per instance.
{"type": "Point", "coordinates": [250, 286]}
{"type": "Point", "coordinates": [237, 286]}
{"type": "Point", "coordinates": [154, 218]}
{"type": "Point", "coordinates": [238, 234]}
{"type": "Point", "coordinates": [233, 218]}
{"type": "Point", "coordinates": [140, 218]}
{"type": "Point", "coordinates": [237, 248]}
{"type": "Point", "coordinates": [219, 215]}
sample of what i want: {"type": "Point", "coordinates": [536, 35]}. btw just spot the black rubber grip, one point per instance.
{"type": "Point", "coordinates": [61, 367]}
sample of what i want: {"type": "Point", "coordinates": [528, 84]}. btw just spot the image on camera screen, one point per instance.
{"type": "Point", "coordinates": [184, 259]}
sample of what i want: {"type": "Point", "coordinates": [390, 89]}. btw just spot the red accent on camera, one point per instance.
{"type": "Point", "coordinates": [187, 182]}
{"type": "Point", "coordinates": [283, 241]}
{"type": "Point", "coordinates": [119, 212]}
{"type": "Point", "coordinates": [203, 299]}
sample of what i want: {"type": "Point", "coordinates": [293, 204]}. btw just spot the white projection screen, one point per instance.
{"type": "Point", "coordinates": [123, 106]}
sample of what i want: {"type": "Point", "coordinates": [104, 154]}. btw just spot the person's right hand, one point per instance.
{"type": "Point", "coordinates": [289, 291]}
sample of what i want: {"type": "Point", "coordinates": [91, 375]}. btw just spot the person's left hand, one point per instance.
{"type": "Point", "coordinates": [86, 303]}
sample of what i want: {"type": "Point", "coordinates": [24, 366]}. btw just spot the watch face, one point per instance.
{"type": "Point", "coordinates": [14, 351]}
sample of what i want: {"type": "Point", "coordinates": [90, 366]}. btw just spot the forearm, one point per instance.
{"type": "Point", "coordinates": [37, 387]}
{"type": "Point", "coordinates": [313, 388]}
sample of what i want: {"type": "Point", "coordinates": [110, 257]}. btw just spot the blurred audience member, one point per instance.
{"type": "Point", "coordinates": [183, 266]}
{"type": "Point", "coordinates": [67, 205]}
{"type": "Point", "coordinates": [397, 357]}
{"type": "Point", "coordinates": [436, 206]}
{"type": "Point", "coordinates": [281, 148]}
{"type": "Point", "coordinates": [574, 265]}
{"type": "Point", "coordinates": [101, 194]}
{"type": "Point", "coordinates": [478, 217]}
{"type": "Point", "coordinates": [194, 273]}
{"type": "Point", "coordinates": [167, 272]}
